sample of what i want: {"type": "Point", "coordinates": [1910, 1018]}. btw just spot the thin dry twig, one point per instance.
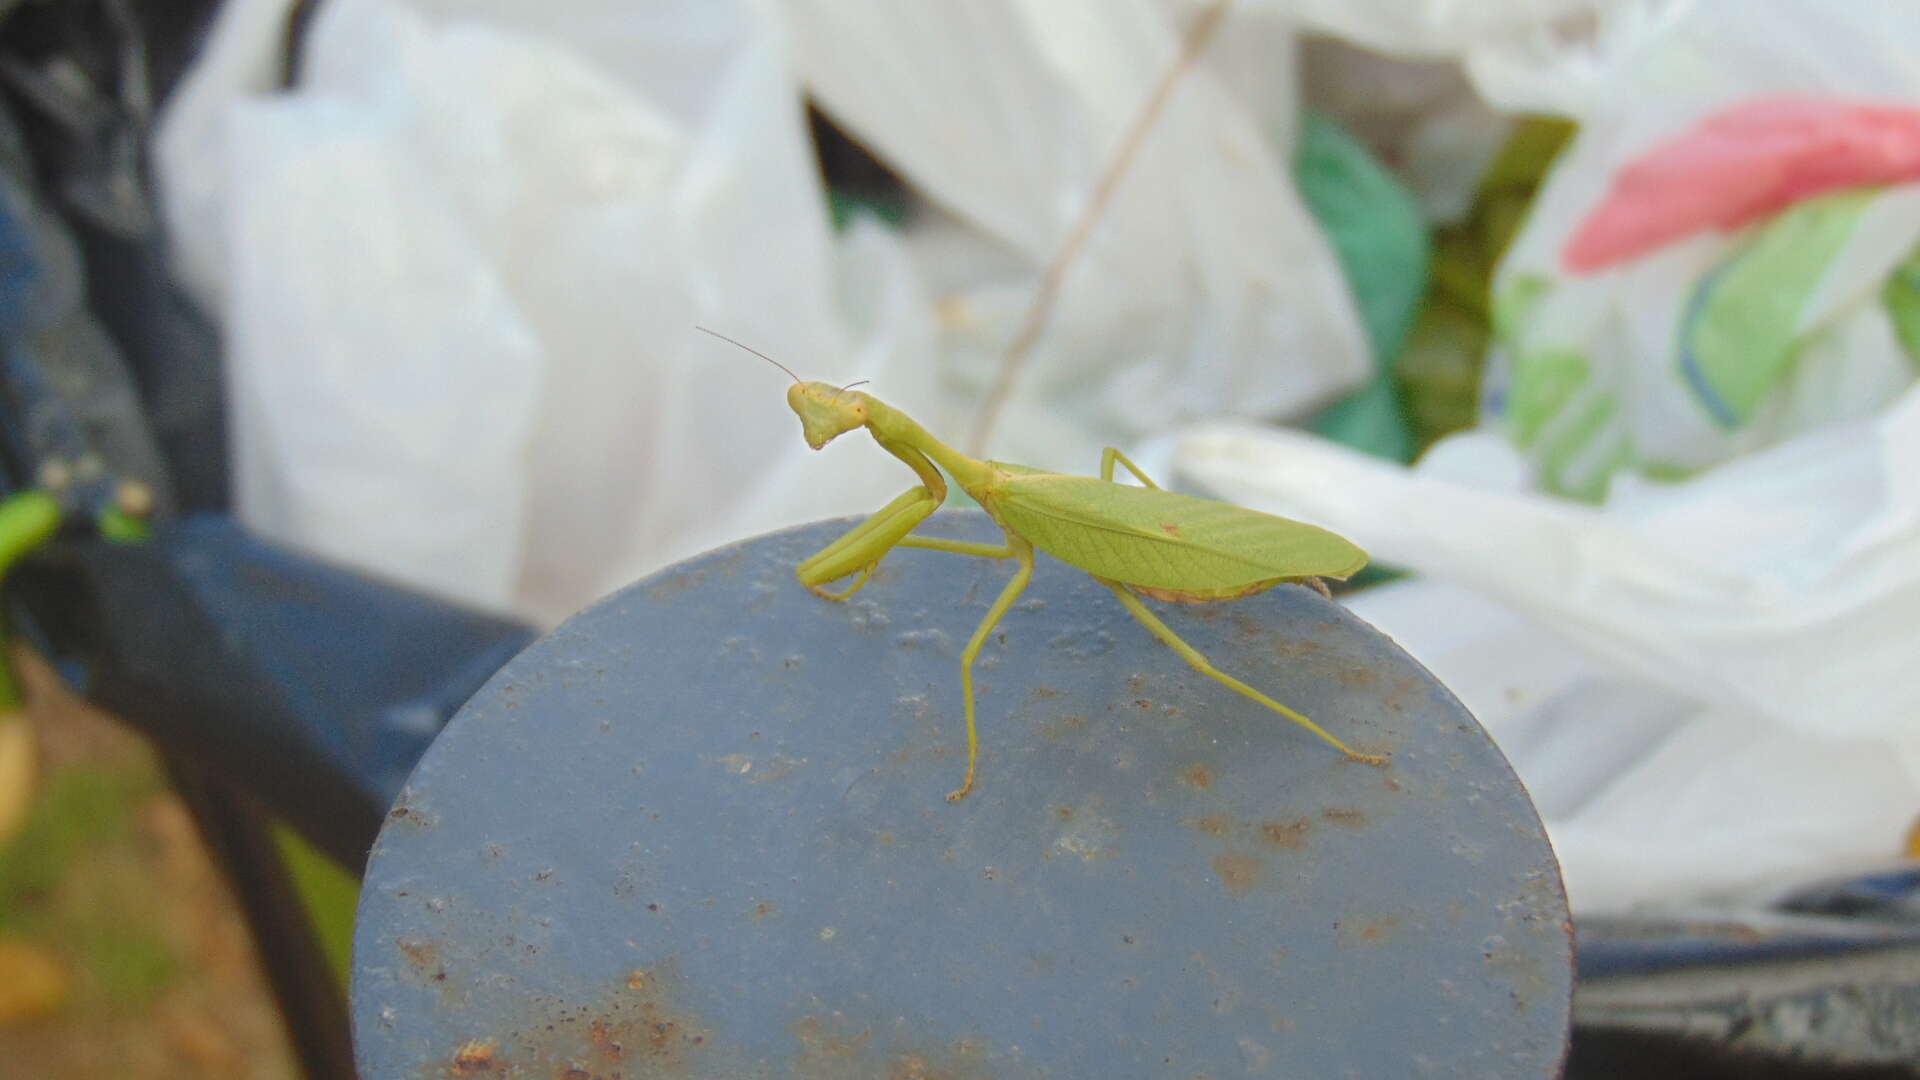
{"type": "Point", "coordinates": [1041, 310]}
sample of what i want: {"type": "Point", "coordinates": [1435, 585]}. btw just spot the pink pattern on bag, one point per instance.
{"type": "Point", "coordinates": [1743, 164]}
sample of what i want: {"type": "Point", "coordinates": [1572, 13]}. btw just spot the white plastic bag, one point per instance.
{"type": "Point", "coordinates": [460, 271]}
{"type": "Point", "coordinates": [1705, 682]}
{"type": "Point", "coordinates": [1656, 667]}
{"type": "Point", "coordinates": [459, 265]}
{"type": "Point", "coordinates": [1205, 289]}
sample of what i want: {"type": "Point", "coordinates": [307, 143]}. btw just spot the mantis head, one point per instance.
{"type": "Point", "coordinates": [826, 411]}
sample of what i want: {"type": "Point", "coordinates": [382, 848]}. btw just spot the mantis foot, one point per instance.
{"type": "Point", "coordinates": [966, 785]}
{"type": "Point", "coordinates": [865, 573]}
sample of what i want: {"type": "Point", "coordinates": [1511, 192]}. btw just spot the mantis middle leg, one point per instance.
{"type": "Point", "coordinates": [1205, 667]}
{"type": "Point", "coordinates": [1015, 548]}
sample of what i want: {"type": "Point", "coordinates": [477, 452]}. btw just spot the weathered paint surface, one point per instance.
{"type": "Point", "coordinates": [698, 831]}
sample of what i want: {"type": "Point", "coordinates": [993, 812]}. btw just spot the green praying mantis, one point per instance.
{"type": "Point", "coordinates": [1137, 541]}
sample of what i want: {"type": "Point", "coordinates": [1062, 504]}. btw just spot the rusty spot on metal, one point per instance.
{"type": "Point", "coordinates": [1403, 688]}
{"type": "Point", "coordinates": [1345, 815]}
{"type": "Point", "coordinates": [1355, 678]}
{"type": "Point", "coordinates": [1296, 648]}
{"type": "Point", "coordinates": [635, 1030]}
{"type": "Point", "coordinates": [424, 960]}
{"type": "Point", "coordinates": [1058, 728]}
{"type": "Point", "coordinates": [1042, 693]}
{"type": "Point", "coordinates": [405, 813]}
{"type": "Point", "coordinates": [1212, 824]}
{"type": "Point", "coordinates": [1170, 528]}
{"type": "Point", "coordinates": [778, 767]}
{"type": "Point", "coordinates": [1198, 776]}
{"type": "Point", "coordinates": [1142, 703]}
{"type": "Point", "coordinates": [1284, 834]}
{"type": "Point", "coordinates": [1367, 931]}
{"type": "Point", "coordinates": [1239, 873]}
{"type": "Point", "coordinates": [833, 1048]}
{"type": "Point", "coordinates": [668, 588]}
{"type": "Point", "coordinates": [762, 910]}
{"type": "Point", "coordinates": [477, 1057]}
{"type": "Point", "coordinates": [420, 954]}
{"type": "Point", "coordinates": [1064, 813]}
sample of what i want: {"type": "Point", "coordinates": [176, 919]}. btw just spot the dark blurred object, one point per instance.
{"type": "Point", "coordinates": [855, 180]}
{"type": "Point", "coordinates": [274, 686]}
{"type": "Point", "coordinates": [311, 686]}
{"type": "Point", "coordinates": [84, 79]}
{"type": "Point", "coordinates": [1824, 982]}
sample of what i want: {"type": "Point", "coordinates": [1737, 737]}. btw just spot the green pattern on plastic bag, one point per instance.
{"type": "Point", "coordinates": [1375, 228]}
{"type": "Point", "coordinates": [1738, 336]}
{"type": "Point", "coordinates": [1543, 382]}
{"type": "Point", "coordinates": [1560, 452]}
{"type": "Point", "coordinates": [1514, 305]}
{"type": "Point", "coordinates": [1900, 296]}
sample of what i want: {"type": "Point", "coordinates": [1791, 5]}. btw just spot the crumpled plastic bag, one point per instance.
{"type": "Point", "coordinates": [459, 266]}
{"type": "Point", "coordinates": [1741, 282]}
{"type": "Point", "coordinates": [1703, 685]}
{"type": "Point", "coordinates": [1205, 289]}
{"type": "Point", "coordinates": [459, 273]}
{"type": "Point", "coordinates": [1704, 679]}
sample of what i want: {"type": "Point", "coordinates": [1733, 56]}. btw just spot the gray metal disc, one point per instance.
{"type": "Point", "coordinates": [698, 831]}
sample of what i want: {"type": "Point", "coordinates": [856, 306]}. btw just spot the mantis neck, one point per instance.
{"type": "Point", "coordinates": [889, 424]}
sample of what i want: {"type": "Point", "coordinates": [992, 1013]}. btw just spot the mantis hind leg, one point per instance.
{"type": "Point", "coordinates": [1201, 664]}
{"type": "Point", "coordinates": [1022, 550]}
{"type": "Point", "coordinates": [1112, 454]}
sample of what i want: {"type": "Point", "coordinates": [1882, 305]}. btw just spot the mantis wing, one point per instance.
{"type": "Point", "coordinates": [1165, 540]}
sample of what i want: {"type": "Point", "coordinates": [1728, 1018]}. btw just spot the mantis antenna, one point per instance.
{"type": "Point", "coordinates": [752, 350]}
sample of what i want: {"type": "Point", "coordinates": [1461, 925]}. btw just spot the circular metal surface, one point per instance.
{"type": "Point", "coordinates": [698, 831]}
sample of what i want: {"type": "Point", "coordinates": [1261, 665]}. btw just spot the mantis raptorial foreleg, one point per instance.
{"type": "Point", "coordinates": [863, 546]}
{"type": "Point", "coordinates": [1205, 667]}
